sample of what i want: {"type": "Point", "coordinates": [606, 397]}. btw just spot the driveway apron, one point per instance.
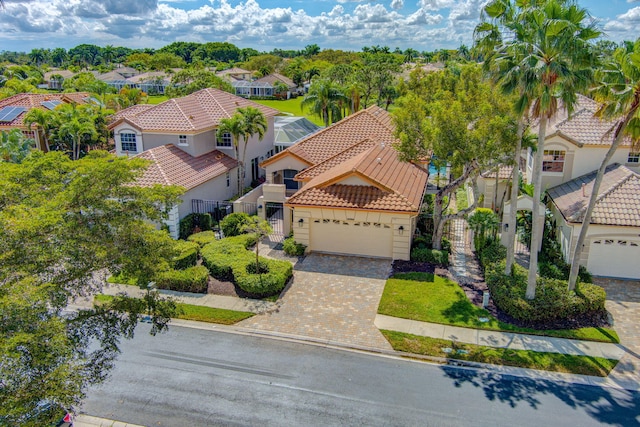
{"type": "Point", "coordinates": [623, 302]}
{"type": "Point", "coordinates": [332, 298]}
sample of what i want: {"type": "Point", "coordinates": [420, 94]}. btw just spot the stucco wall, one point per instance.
{"type": "Point", "coordinates": [286, 162]}
{"type": "Point", "coordinates": [215, 189]}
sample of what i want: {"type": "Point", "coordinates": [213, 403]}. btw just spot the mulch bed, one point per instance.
{"type": "Point", "coordinates": [220, 287]}
{"type": "Point", "coordinates": [474, 290]}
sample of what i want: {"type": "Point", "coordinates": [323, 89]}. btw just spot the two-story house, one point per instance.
{"type": "Point", "coordinates": [179, 137]}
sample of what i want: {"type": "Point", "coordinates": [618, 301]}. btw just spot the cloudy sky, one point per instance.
{"type": "Point", "coordinates": [266, 24]}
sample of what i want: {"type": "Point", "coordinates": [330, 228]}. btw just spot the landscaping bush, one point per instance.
{"type": "Point", "coordinates": [432, 256]}
{"type": "Point", "coordinates": [189, 223]}
{"type": "Point", "coordinates": [231, 225]}
{"type": "Point", "coordinates": [230, 259]}
{"type": "Point", "coordinates": [203, 238]}
{"type": "Point", "coordinates": [493, 253]}
{"type": "Point", "coordinates": [291, 247]}
{"type": "Point", "coordinates": [192, 279]}
{"type": "Point", "coordinates": [421, 242]}
{"type": "Point", "coordinates": [553, 300]}
{"type": "Point", "coordinates": [186, 254]}
{"type": "Point", "coordinates": [446, 245]}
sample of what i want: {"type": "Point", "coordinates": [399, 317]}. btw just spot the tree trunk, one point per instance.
{"type": "Point", "coordinates": [536, 232]}
{"type": "Point", "coordinates": [244, 155]}
{"type": "Point", "coordinates": [586, 221]}
{"type": "Point", "coordinates": [515, 184]}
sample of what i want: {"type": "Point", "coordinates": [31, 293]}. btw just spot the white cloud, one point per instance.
{"type": "Point", "coordinates": [397, 4]}
{"type": "Point", "coordinates": [624, 27]}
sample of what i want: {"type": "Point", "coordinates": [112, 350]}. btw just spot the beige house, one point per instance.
{"type": "Point", "coordinates": [344, 190]}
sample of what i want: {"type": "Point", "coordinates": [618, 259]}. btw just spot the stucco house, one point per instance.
{"type": "Point", "coordinates": [14, 109]}
{"type": "Point", "coordinates": [343, 189]}
{"type": "Point", "coordinates": [264, 86]}
{"type": "Point", "coordinates": [574, 148]}
{"type": "Point", "coordinates": [179, 136]}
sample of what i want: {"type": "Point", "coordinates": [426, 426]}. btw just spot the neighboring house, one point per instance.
{"type": "Point", "coordinates": [152, 82]}
{"type": "Point", "coordinates": [54, 79]}
{"type": "Point", "coordinates": [234, 73]}
{"type": "Point", "coordinates": [190, 124]}
{"type": "Point", "coordinates": [612, 246]}
{"type": "Point", "coordinates": [14, 108]}
{"type": "Point", "coordinates": [210, 175]}
{"type": "Point", "coordinates": [127, 72]}
{"type": "Point", "coordinates": [113, 79]}
{"type": "Point", "coordinates": [494, 186]}
{"type": "Point", "coordinates": [265, 86]}
{"type": "Point", "coordinates": [290, 129]}
{"type": "Point", "coordinates": [343, 189]}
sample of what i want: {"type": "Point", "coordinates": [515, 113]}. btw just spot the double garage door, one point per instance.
{"type": "Point", "coordinates": [351, 238]}
{"type": "Point", "coordinates": [619, 257]}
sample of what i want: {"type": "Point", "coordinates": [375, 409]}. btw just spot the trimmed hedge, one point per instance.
{"type": "Point", "coordinates": [231, 225]}
{"type": "Point", "coordinates": [230, 259]}
{"type": "Point", "coordinates": [432, 256]}
{"type": "Point", "coordinates": [553, 300]}
{"type": "Point", "coordinates": [187, 224]}
{"type": "Point", "coordinates": [491, 254]}
{"type": "Point", "coordinates": [187, 255]}
{"type": "Point", "coordinates": [293, 248]}
{"type": "Point", "coordinates": [192, 279]}
{"type": "Point", "coordinates": [203, 238]}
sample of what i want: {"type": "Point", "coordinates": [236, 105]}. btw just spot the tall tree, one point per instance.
{"type": "Point", "coordinates": [233, 126]}
{"type": "Point", "coordinates": [14, 146]}
{"type": "Point", "coordinates": [325, 100]}
{"type": "Point", "coordinates": [43, 119]}
{"type": "Point", "coordinates": [619, 91]}
{"type": "Point", "coordinates": [551, 50]}
{"type": "Point", "coordinates": [254, 123]}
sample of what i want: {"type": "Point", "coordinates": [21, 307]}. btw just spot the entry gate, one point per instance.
{"type": "Point", "coordinates": [275, 216]}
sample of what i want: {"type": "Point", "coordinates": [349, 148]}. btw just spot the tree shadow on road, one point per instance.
{"type": "Point", "coordinates": [607, 405]}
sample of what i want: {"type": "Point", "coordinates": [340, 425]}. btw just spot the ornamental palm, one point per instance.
{"type": "Point", "coordinates": [253, 123]}
{"type": "Point", "coordinates": [551, 60]}
{"type": "Point", "coordinates": [325, 99]}
{"type": "Point", "coordinates": [233, 126]}
{"type": "Point", "coordinates": [43, 119]}
{"type": "Point", "coordinates": [619, 91]}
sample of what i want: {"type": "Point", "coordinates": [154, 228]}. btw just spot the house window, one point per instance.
{"type": "Point", "coordinates": [633, 158]}
{"type": "Point", "coordinates": [228, 180]}
{"type": "Point", "coordinates": [128, 142]}
{"type": "Point", "coordinates": [553, 161]}
{"type": "Point", "coordinates": [182, 140]}
{"type": "Point", "coordinates": [225, 140]}
{"type": "Point", "coordinates": [288, 175]}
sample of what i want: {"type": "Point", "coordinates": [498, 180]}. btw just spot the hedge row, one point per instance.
{"type": "Point", "coordinates": [229, 259]}
{"type": "Point", "coordinates": [189, 223]}
{"type": "Point", "coordinates": [432, 256]}
{"type": "Point", "coordinates": [553, 300]}
{"type": "Point", "coordinates": [192, 279]}
{"type": "Point", "coordinates": [203, 238]}
{"type": "Point", "coordinates": [187, 255]}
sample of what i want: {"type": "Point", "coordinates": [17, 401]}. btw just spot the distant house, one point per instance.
{"type": "Point", "coordinates": [54, 79]}
{"type": "Point", "coordinates": [234, 73]}
{"type": "Point", "coordinates": [152, 82]}
{"type": "Point", "coordinates": [180, 137]}
{"type": "Point", "coordinates": [266, 86]}
{"type": "Point", "coordinates": [343, 189]}
{"type": "Point", "coordinates": [290, 129]}
{"type": "Point", "coordinates": [14, 109]}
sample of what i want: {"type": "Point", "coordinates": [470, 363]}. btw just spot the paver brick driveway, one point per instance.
{"type": "Point", "coordinates": [332, 298]}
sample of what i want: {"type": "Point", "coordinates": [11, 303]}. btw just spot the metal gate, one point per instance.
{"type": "Point", "coordinates": [275, 216]}
{"type": "Point", "coordinates": [217, 209]}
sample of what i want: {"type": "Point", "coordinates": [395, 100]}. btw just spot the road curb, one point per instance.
{"type": "Point", "coordinates": [83, 420]}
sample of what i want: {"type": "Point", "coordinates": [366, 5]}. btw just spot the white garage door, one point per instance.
{"type": "Point", "coordinates": [615, 258]}
{"type": "Point", "coordinates": [351, 237]}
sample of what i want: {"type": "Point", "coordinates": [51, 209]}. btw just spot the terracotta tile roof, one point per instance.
{"type": "Point", "coordinates": [503, 173]}
{"type": "Point", "coordinates": [151, 75]}
{"type": "Point", "coordinates": [618, 201]}
{"type": "Point", "coordinates": [35, 100]}
{"type": "Point", "coordinates": [395, 185]}
{"type": "Point", "coordinates": [373, 123]}
{"type": "Point", "coordinates": [339, 158]}
{"type": "Point", "coordinates": [173, 166]}
{"type": "Point", "coordinates": [586, 129]}
{"type": "Point", "coordinates": [130, 112]}
{"type": "Point", "coordinates": [275, 77]}
{"type": "Point", "coordinates": [64, 73]}
{"type": "Point", "coordinates": [111, 76]}
{"type": "Point", "coordinates": [200, 111]}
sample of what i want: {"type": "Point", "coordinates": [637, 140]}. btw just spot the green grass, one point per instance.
{"type": "Point", "coordinates": [121, 279]}
{"type": "Point", "coordinates": [290, 106]}
{"type": "Point", "coordinates": [156, 99]}
{"type": "Point", "coordinates": [461, 198]}
{"type": "Point", "coordinates": [583, 365]}
{"type": "Point", "coordinates": [430, 298]}
{"type": "Point", "coordinates": [199, 313]}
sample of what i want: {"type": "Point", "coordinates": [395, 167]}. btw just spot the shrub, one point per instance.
{"type": "Point", "coordinates": [186, 254]}
{"type": "Point", "coordinates": [202, 238]}
{"type": "Point", "coordinates": [230, 259]}
{"type": "Point", "coordinates": [553, 300]}
{"type": "Point", "coordinates": [493, 253]}
{"type": "Point", "coordinates": [421, 242]}
{"type": "Point", "coordinates": [291, 247]}
{"type": "Point", "coordinates": [192, 279]}
{"type": "Point", "coordinates": [202, 221]}
{"type": "Point", "coordinates": [432, 256]}
{"type": "Point", "coordinates": [231, 225]}
{"type": "Point", "coordinates": [446, 245]}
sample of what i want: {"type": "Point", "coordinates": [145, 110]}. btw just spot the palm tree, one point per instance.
{"type": "Point", "coordinates": [552, 59]}
{"type": "Point", "coordinates": [324, 99]}
{"type": "Point", "coordinates": [43, 119]}
{"type": "Point", "coordinates": [253, 123]}
{"type": "Point", "coordinates": [233, 126]}
{"type": "Point", "coordinates": [619, 91]}
{"type": "Point", "coordinates": [108, 53]}
{"type": "Point", "coordinates": [14, 146]}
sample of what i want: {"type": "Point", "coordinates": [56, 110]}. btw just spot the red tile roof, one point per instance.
{"type": "Point", "coordinates": [200, 111]}
{"type": "Point", "coordinates": [504, 172]}
{"type": "Point", "coordinates": [173, 166]}
{"type": "Point", "coordinates": [35, 100]}
{"type": "Point", "coordinates": [618, 200]}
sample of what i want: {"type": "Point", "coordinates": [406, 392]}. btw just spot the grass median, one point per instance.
{"type": "Point", "coordinates": [199, 313]}
{"type": "Point", "coordinates": [583, 365]}
{"type": "Point", "coordinates": [430, 298]}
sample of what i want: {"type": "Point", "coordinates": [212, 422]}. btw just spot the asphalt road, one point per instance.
{"type": "Point", "coordinates": [190, 377]}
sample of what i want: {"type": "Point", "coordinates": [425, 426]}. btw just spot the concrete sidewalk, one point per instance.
{"type": "Point", "coordinates": [83, 420]}
{"type": "Point", "coordinates": [501, 339]}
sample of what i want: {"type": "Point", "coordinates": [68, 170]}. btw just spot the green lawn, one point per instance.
{"type": "Point", "coordinates": [199, 313]}
{"type": "Point", "coordinates": [583, 365]}
{"type": "Point", "coordinates": [430, 298]}
{"type": "Point", "coordinates": [156, 99]}
{"type": "Point", "coordinates": [291, 106]}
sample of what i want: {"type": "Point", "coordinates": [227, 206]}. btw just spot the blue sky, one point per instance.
{"type": "Point", "coordinates": [267, 24]}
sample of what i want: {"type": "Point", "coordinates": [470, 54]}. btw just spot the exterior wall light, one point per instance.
{"type": "Point", "coordinates": [401, 229]}
{"type": "Point", "coordinates": [300, 222]}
